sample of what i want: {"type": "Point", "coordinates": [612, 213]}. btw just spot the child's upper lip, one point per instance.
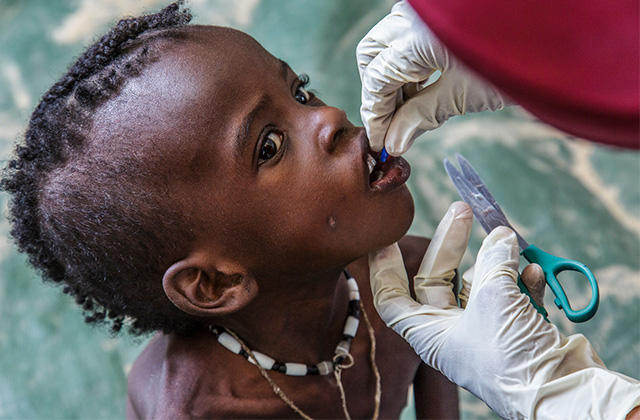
{"type": "Point", "coordinates": [366, 150]}
{"type": "Point", "coordinates": [364, 143]}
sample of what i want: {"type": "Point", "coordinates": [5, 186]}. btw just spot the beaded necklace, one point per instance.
{"type": "Point", "coordinates": [341, 359]}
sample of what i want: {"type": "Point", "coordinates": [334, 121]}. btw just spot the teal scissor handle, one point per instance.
{"type": "Point", "coordinates": [552, 266]}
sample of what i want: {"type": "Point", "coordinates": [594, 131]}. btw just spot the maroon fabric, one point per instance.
{"type": "Point", "coordinates": [573, 63]}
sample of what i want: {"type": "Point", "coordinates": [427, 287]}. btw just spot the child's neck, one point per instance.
{"type": "Point", "coordinates": [301, 320]}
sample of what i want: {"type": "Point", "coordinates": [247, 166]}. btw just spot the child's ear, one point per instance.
{"type": "Point", "coordinates": [199, 287]}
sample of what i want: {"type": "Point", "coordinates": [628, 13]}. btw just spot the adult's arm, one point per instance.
{"type": "Point", "coordinates": [575, 64]}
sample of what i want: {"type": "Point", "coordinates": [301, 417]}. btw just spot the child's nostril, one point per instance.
{"type": "Point", "coordinates": [337, 135]}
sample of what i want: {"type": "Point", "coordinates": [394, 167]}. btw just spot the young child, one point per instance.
{"type": "Point", "coordinates": [181, 179]}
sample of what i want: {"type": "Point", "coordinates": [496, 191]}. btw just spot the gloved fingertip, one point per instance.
{"type": "Point", "coordinates": [375, 145]}
{"type": "Point", "coordinates": [393, 149]}
{"type": "Point", "coordinates": [533, 278]}
{"type": "Point", "coordinates": [499, 249]}
{"type": "Point", "coordinates": [461, 210]}
{"type": "Point", "coordinates": [380, 253]}
{"type": "Point", "coordinates": [383, 258]}
{"type": "Point", "coordinates": [534, 271]}
{"type": "Point", "coordinates": [375, 139]}
{"type": "Point", "coordinates": [503, 234]}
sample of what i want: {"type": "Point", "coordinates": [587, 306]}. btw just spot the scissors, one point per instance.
{"type": "Point", "coordinates": [486, 209]}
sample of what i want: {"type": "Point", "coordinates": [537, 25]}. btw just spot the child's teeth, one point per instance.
{"type": "Point", "coordinates": [371, 162]}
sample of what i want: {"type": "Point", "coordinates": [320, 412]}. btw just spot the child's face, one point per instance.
{"type": "Point", "coordinates": [276, 183]}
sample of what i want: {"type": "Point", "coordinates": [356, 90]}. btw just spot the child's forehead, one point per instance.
{"type": "Point", "coordinates": [189, 89]}
{"type": "Point", "coordinates": [221, 60]}
{"type": "Point", "coordinates": [225, 45]}
{"type": "Point", "coordinates": [209, 59]}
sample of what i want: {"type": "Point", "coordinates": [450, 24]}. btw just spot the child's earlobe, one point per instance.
{"type": "Point", "coordinates": [198, 288]}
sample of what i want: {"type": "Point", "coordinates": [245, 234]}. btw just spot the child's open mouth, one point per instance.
{"type": "Point", "coordinates": [385, 176]}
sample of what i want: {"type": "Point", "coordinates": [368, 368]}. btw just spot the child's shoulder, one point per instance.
{"type": "Point", "coordinates": [165, 374]}
{"type": "Point", "coordinates": [183, 376]}
{"type": "Point", "coordinates": [144, 377]}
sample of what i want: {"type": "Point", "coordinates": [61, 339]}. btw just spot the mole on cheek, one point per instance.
{"type": "Point", "coordinates": [331, 221]}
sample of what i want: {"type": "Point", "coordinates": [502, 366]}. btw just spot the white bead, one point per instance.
{"type": "Point", "coordinates": [229, 342]}
{"type": "Point", "coordinates": [354, 293]}
{"type": "Point", "coordinates": [296, 369]}
{"type": "Point", "coordinates": [351, 326]}
{"type": "Point", "coordinates": [263, 360]}
{"type": "Point", "coordinates": [342, 348]}
{"type": "Point", "coordinates": [325, 367]}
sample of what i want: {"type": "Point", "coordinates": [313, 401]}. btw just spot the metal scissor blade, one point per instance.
{"type": "Point", "coordinates": [486, 213]}
{"type": "Point", "coordinates": [472, 176]}
{"type": "Point", "coordinates": [481, 207]}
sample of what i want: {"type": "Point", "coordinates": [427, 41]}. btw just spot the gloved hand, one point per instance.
{"type": "Point", "coordinates": [395, 60]}
{"type": "Point", "coordinates": [499, 348]}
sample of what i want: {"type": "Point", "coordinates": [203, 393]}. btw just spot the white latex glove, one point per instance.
{"type": "Point", "coordinates": [499, 348]}
{"type": "Point", "coordinates": [395, 59]}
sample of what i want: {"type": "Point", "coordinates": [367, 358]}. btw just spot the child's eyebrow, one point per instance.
{"type": "Point", "coordinates": [284, 68]}
{"type": "Point", "coordinates": [242, 137]}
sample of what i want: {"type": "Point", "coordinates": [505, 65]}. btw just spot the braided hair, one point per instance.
{"type": "Point", "coordinates": [90, 221]}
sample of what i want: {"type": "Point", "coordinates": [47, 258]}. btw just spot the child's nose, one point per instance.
{"type": "Point", "coordinates": [329, 123]}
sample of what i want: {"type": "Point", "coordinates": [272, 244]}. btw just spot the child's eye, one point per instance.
{"type": "Point", "coordinates": [302, 95]}
{"type": "Point", "coordinates": [270, 146]}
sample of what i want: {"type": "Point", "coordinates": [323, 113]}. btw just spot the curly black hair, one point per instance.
{"type": "Point", "coordinates": [93, 221]}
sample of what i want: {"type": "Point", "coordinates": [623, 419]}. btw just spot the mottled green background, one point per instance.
{"type": "Point", "coordinates": [569, 197]}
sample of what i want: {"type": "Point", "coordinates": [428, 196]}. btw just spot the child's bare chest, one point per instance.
{"type": "Point", "coordinates": [225, 385]}
{"type": "Point", "coordinates": [242, 391]}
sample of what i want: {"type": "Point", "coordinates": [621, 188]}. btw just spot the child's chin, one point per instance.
{"type": "Point", "coordinates": [392, 236]}
{"type": "Point", "coordinates": [403, 220]}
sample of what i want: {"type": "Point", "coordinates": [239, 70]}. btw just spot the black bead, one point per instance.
{"type": "Point", "coordinates": [354, 308]}
{"type": "Point", "coordinates": [313, 370]}
{"type": "Point", "coordinates": [280, 367]}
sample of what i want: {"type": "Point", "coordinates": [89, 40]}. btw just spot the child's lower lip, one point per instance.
{"type": "Point", "coordinates": [396, 171]}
